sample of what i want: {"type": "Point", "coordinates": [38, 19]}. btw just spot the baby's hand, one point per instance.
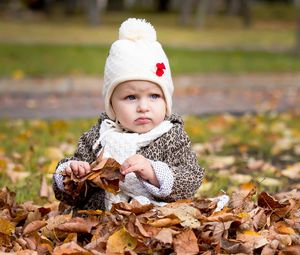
{"type": "Point", "coordinates": [78, 168]}
{"type": "Point", "coordinates": [141, 167]}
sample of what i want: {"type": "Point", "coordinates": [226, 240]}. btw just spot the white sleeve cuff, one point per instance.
{"type": "Point", "coordinates": [165, 179]}
{"type": "Point", "coordinates": [59, 179]}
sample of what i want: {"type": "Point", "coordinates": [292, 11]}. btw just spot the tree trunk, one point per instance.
{"type": "Point", "coordinates": [233, 7]}
{"type": "Point", "coordinates": [185, 11]}
{"type": "Point", "coordinates": [246, 13]}
{"type": "Point", "coordinates": [201, 12]}
{"type": "Point", "coordinates": [94, 10]}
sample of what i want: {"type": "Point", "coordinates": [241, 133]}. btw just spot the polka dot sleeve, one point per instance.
{"type": "Point", "coordinates": [165, 178]}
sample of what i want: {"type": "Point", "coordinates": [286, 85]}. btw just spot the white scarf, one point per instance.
{"type": "Point", "coordinates": [118, 144]}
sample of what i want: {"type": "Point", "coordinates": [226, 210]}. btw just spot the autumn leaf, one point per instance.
{"type": "Point", "coordinates": [34, 226]}
{"type": "Point", "coordinates": [77, 225]}
{"type": "Point", "coordinates": [187, 214]}
{"type": "Point", "coordinates": [120, 241]}
{"type": "Point", "coordinates": [186, 243]}
{"type": "Point", "coordinates": [265, 200]}
{"type": "Point", "coordinates": [6, 227]}
{"type": "Point", "coordinates": [71, 248]}
{"type": "Point", "coordinates": [105, 173]}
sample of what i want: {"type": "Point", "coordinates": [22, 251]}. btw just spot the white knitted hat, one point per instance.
{"type": "Point", "coordinates": [137, 55]}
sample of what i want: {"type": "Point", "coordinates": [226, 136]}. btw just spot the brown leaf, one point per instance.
{"type": "Point", "coordinates": [134, 207]}
{"type": "Point", "coordinates": [165, 222]}
{"type": "Point", "coordinates": [186, 213]}
{"type": "Point", "coordinates": [267, 201]}
{"type": "Point", "coordinates": [233, 246]}
{"type": "Point", "coordinates": [34, 226]}
{"type": "Point", "coordinates": [260, 219]}
{"type": "Point", "coordinates": [77, 225]}
{"type": "Point", "coordinates": [292, 250]}
{"type": "Point", "coordinates": [166, 235]}
{"type": "Point", "coordinates": [105, 173]}
{"type": "Point", "coordinates": [186, 243]}
{"type": "Point", "coordinates": [44, 188]}
{"type": "Point", "coordinates": [253, 238]}
{"type": "Point", "coordinates": [242, 200]}
{"type": "Point", "coordinates": [282, 228]}
{"type": "Point", "coordinates": [50, 229]}
{"type": "Point", "coordinates": [71, 248]}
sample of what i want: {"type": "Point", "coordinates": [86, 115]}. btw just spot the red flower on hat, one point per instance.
{"type": "Point", "coordinates": [160, 69]}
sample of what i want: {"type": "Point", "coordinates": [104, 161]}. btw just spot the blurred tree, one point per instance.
{"type": "Point", "coordinates": [297, 46]}
{"type": "Point", "coordinates": [185, 11]}
{"type": "Point", "coordinates": [201, 11]}
{"type": "Point", "coordinates": [115, 5]}
{"type": "Point", "coordinates": [163, 5]}
{"type": "Point", "coordinates": [240, 7]}
{"type": "Point", "coordinates": [94, 10]}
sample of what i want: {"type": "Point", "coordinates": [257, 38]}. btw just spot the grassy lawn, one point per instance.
{"type": "Point", "coordinates": [61, 46]}
{"type": "Point", "coordinates": [234, 151]}
{"type": "Point", "coordinates": [55, 60]}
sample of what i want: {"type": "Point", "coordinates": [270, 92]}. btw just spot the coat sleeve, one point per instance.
{"type": "Point", "coordinates": [187, 173]}
{"type": "Point", "coordinates": [84, 152]}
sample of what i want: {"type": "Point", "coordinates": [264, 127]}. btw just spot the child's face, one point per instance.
{"type": "Point", "coordinates": [138, 105]}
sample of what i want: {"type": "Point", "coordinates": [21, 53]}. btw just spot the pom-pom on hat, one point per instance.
{"type": "Point", "coordinates": [137, 55]}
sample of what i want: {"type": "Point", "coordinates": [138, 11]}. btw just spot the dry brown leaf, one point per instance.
{"type": "Point", "coordinates": [71, 248]}
{"type": "Point", "coordinates": [187, 214]}
{"type": "Point", "coordinates": [253, 238]}
{"type": "Point", "coordinates": [267, 201]}
{"type": "Point", "coordinates": [34, 226]}
{"type": "Point", "coordinates": [165, 222]}
{"type": "Point", "coordinates": [166, 235]}
{"type": "Point", "coordinates": [234, 247]}
{"type": "Point", "coordinates": [77, 225]}
{"type": "Point", "coordinates": [242, 201]}
{"type": "Point", "coordinates": [186, 243]}
{"type": "Point", "coordinates": [292, 250]}
{"type": "Point", "coordinates": [49, 230]}
{"type": "Point", "coordinates": [282, 228]}
{"type": "Point", "coordinates": [44, 188]}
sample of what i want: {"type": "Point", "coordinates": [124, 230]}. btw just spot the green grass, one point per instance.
{"type": "Point", "coordinates": [57, 60]}
{"type": "Point", "coordinates": [25, 146]}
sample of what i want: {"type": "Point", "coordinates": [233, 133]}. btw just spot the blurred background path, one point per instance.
{"type": "Point", "coordinates": [194, 94]}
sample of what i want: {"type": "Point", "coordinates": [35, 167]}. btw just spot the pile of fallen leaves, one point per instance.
{"type": "Point", "coordinates": [250, 223]}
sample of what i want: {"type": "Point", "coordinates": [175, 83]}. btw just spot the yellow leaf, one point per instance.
{"type": "Point", "coordinates": [282, 228]}
{"type": "Point", "coordinates": [121, 241]}
{"type": "Point", "coordinates": [52, 166]}
{"type": "Point", "coordinates": [6, 227]}
{"type": "Point", "coordinates": [243, 215]}
{"type": "Point", "coordinates": [251, 233]}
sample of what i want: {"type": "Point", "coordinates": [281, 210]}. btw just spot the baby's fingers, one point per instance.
{"type": "Point", "coordinates": [83, 169]}
{"type": "Point", "coordinates": [68, 170]}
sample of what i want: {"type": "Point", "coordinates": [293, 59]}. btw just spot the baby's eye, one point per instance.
{"type": "Point", "coordinates": [130, 97]}
{"type": "Point", "coordinates": [154, 96]}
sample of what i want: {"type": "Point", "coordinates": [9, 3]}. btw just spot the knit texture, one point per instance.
{"type": "Point", "coordinates": [136, 56]}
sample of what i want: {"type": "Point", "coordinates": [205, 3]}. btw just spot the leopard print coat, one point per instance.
{"type": "Point", "coordinates": [172, 148]}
